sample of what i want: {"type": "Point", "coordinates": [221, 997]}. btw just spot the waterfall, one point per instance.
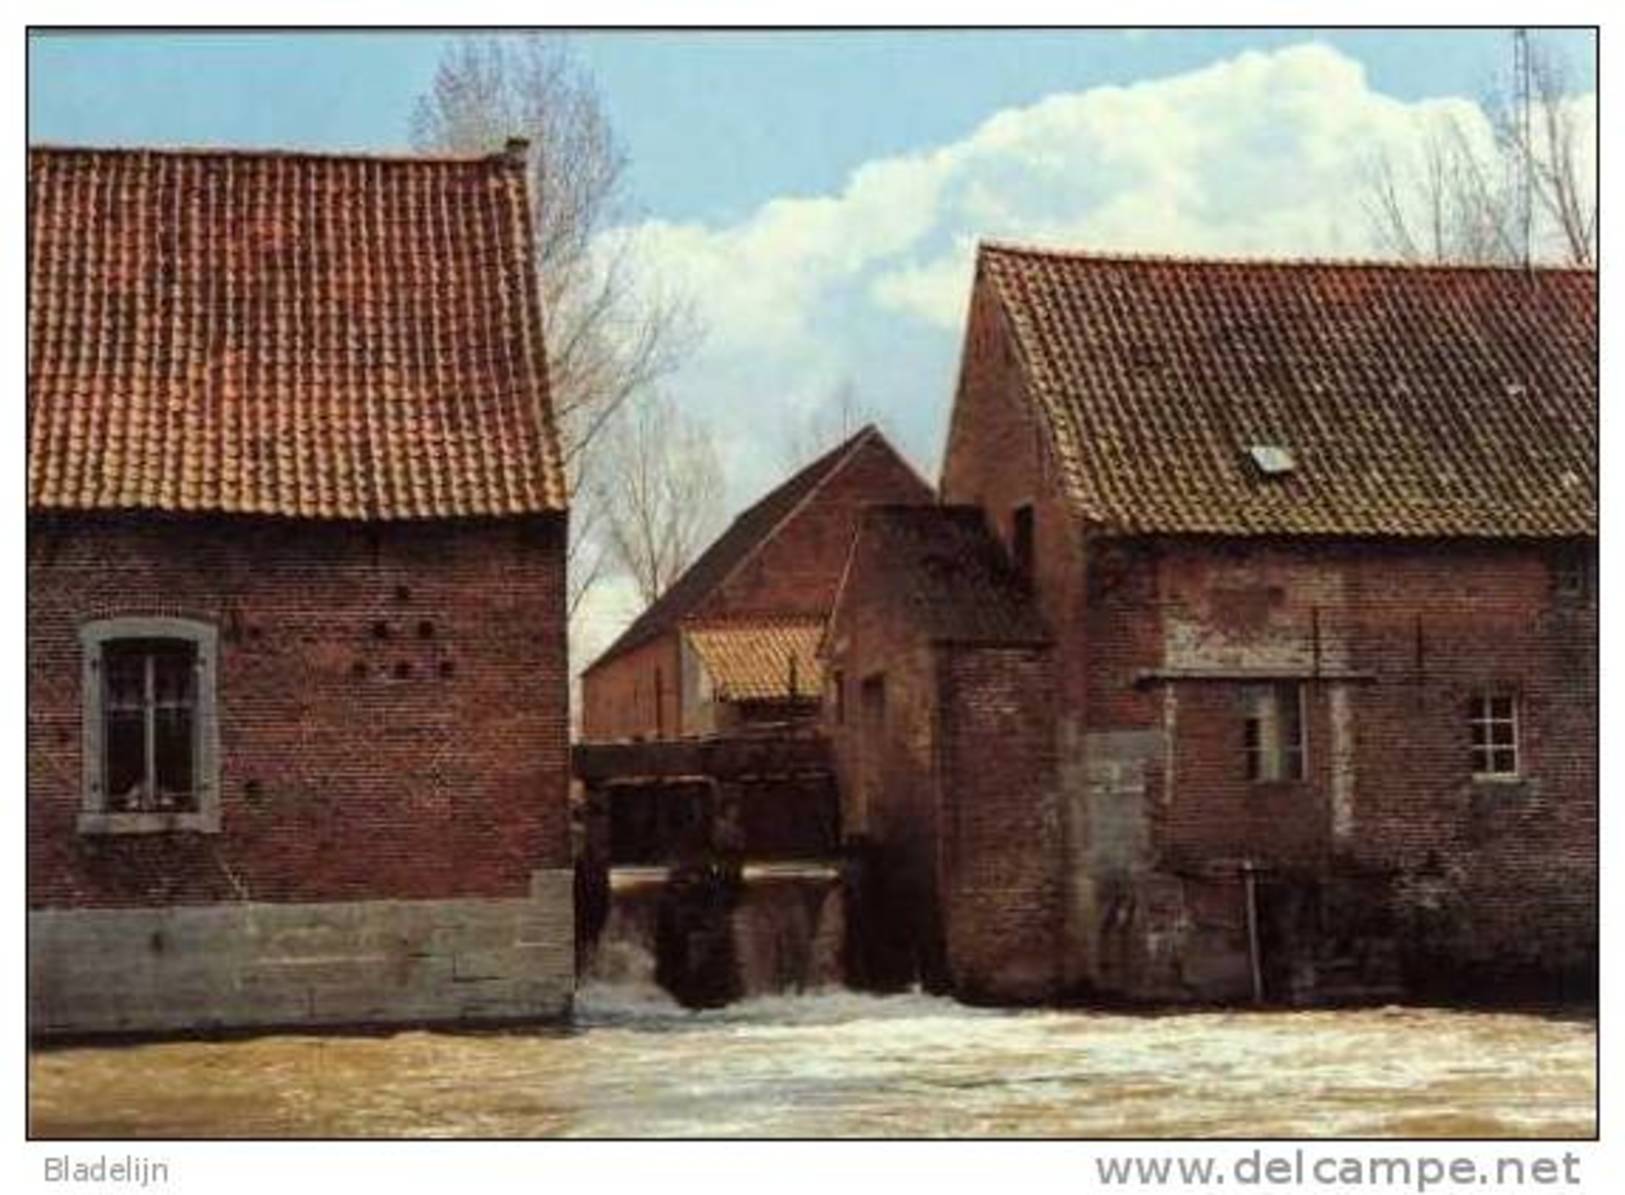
{"type": "Point", "coordinates": [773, 928]}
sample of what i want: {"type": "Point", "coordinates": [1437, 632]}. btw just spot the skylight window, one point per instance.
{"type": "Point", "coordinates": [1271, 459]}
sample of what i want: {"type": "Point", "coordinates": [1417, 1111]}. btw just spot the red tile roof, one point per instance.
{"type": "Point", "coordinates": [1413, 400]}
{"type": "Point", "coordinates": [758, 661]}
{"type": "Point", "coordinates": [287, 334]}
{"type": "Point", "coordinates": [943, 569]}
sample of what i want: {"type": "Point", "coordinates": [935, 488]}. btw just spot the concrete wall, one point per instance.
{"type": "Point", "coordinates": [191, 967]}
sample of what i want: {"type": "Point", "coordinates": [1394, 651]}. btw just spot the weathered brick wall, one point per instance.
{"type": "Point", "coordinates": [1494, 873]}
{"type": "Point", "coordinates": [638, 693]}
{"type": "Point", "coordinates": [998, 457]}
{"type": "Point", "coordinates": [1001, 854]}
{"type": "Point", "coordinates": [796, 572]}
{"type": "Point", "coordinates": [391, 707]}
{"type": "Point", "coordinates": [887, 771]}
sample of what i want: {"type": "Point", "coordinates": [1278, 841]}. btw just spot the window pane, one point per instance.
{"type": "Point", "coordinates": [1481, 759]}
{"type": "Point", "coordinates": [1501, 734]}
{"type": "Point", "coordinates": [1294, 764]}
{"type": "Point", "coordinates": [1481, 734]}
{"type": "Point", "coordinates": [125, 680]}
{"type": "Point", "coordinates": [1502, 761]}
{"type": "Point", "coordinates": [173, 674]}
{"type": "Point", "coordinates": [1501, 707]}
{"type": "Point", "coordinates": [126, 759]}
{"type": "Point", "coordinates": [173, 745]}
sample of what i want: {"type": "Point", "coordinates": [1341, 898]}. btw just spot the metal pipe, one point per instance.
{"type": "Point", "coordinates": [1252, 930]}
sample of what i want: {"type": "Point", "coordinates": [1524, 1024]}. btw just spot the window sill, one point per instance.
{"type": "Point", "coordinates": [1499, 778]}
{"type": "Point", "coordinates": [207, 822]}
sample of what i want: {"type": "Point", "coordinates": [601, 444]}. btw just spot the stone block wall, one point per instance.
{"type": "Point", "coordinates": [240, 965]}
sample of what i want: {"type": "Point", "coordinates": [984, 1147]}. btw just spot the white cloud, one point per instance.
{"type": "Point", "coordinates": [1263, 153]}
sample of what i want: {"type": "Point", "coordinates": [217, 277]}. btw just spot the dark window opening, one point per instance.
{"type": "Point", "coordinates": [1570, 575]}
{"type": "Point", "coordinates": [1272, 731]}
{"type": "Point", "coordinates": [1021, 540]}
{"type": "Point", "coordinates": [149, 725]}
{"type": "Point", "coordinates": [872, 743]}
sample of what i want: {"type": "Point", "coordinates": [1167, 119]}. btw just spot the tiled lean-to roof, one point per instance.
{"type": "Point", "coordinates": [286, 334]}
{"type": "Point", "coordinates": [761, 661]}
{"type": "Point", "coordinates": [1409, 400]}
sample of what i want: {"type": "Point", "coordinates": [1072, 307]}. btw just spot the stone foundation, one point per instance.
{"type": "Point", "coordinates": [244, 965]}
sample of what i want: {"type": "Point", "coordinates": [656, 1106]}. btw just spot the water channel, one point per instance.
{"type": "Point", "coordinates": [838, 1063]}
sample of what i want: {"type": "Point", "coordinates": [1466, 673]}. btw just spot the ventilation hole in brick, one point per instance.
{"type": "Point", "coordinates": [425, 629]}
{"type": "Point", "coordinates": [380, 629]}
{"type": "Point", "coordinates": [359, 670]}
{"type": "Point", "coordinates": [253, 790]}
{"type": "Point", "coordinates": [403, 670]}
{"type": "Point", "coordinates": [254, 632]}
{"type": "Point", "coordinates": [402, 593]}
{"type": "Point", "coordinates": [447, 668]}
{"type": "Point", "coordinates": [156, 942]}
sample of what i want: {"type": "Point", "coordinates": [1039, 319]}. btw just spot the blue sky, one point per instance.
{"type": "Point", "coordinates": [820, 194]}
{"type": "Point", "coordinates": [714, 123]}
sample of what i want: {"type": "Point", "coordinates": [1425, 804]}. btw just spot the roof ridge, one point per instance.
{"type": "Point", "coordinates": [1134, 257]}
{"type": "Point", "coordinates": [652, 621]}
{"type": "Point", "coordinates": [741, 622]}
{"type": "Point", "coordinates": [404, 157]}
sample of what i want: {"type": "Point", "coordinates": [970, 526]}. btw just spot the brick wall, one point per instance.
{"type": "Point", "coordinates": [949, 784]}
{"type": "Point", "coordinates": [998, 457]}
{"type": "Point", "coordinates": [1001, 824]}
{"type": "Point", "coordinates": [391, 707]}
{"type": "Point", "coordinates": [1496, 874]}
{"type": "Point", "coordinates": [1152, 774]}
{"type": "Point", "coordinates": [796, 571]}
{"type": "Point", "coordinates": [619, 698]}
{"type": "Point", "coordinates": [793, 574]}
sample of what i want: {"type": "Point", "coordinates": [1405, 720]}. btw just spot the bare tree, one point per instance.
{"type": "Point", "coordinates": [610, 330]}
{"type": "Point", "coordinates": [1463, 196]}
{"type": "Point", "coordinates": [836, 418]}
{"type": "Point", "coordinates": [661, 493]}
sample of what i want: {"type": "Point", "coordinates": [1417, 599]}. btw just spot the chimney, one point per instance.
{"type": "Point", "coordinates": [516, 150]}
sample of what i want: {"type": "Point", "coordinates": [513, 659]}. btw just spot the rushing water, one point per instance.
{"type": "Point", "coordinates": [843, 1064]}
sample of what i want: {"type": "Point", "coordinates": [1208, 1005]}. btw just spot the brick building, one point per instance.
{"type": "Point", "coordinates": [297, 722]}
{"type": "Point", "coordinates": [734, 640]}
{"type": "Point", "coordinates": [1316, 544]}
{"type": "Point", "coordinates": [939, 670]}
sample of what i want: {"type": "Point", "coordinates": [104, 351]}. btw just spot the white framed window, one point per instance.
{"type": "Point", "coordinates": [150, 751]}
{"type": "Point", "coordinates": [1272, 734]}
{"type": "Point", "coordinates": [1492, 726]}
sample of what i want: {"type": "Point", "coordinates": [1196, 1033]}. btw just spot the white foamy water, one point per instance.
{"type": "Point", "coordinates": [843, 1064]}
